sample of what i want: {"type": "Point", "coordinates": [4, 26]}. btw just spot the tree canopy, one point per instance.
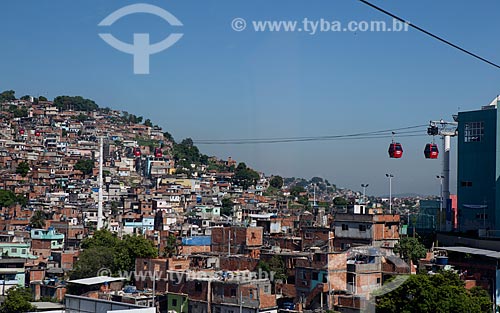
{"type": "Point", "coordinates": [186, 153]}
{"type": "Point", "coordinates": [105, 250]}
{"type": "Point", "coordinates": [23, 168]}
{"type": "Point", "coordinates": [84, 165]}
{"type": "Point", "coordinates": [276, 182]}
{"type": "Point", "coordinates": [75, 103]}
{"type": "Point", "coordinates": [276, 265]}
{"type": "Point", "coordinates": [340, 201]}
{"type": "Point", "coordinates": [18, 111]}
{"type": "Point", "coordinates": [8, 95]}
{"type": "Point", "coordinates": [17, 301]}
{"type": "Point", "coordinates": [245, 176]}
{"type": "Point", "coordinates": [37, 220]}
{"type": "Point", "coordinates": [410, 248]}
{"type": "Point", "coordinates": [9, 198]}
{"type": "Point", "coordinates": [440, 293]}
{"type": "Point", "coordinates": [227, 206]}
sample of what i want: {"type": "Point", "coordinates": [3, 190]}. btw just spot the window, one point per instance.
{"type": "Point", "coordinates": [481, 216]}
{"type": "Point", "coordinates": [174, 302]}
{"type": "Point", "coordinates": [473, 131]}
{"type": "Point", "coordinates": [302, 274]}
{"type": "Point", "coordinates": [362, 227]}
{"type": "Point", "coordinates": [23, 251]}
{"type": "Point", "coordinates": [315, 275]}
{"type": "Point", "coordinates": [378, 280]}
{"type": "Point", "coordinates": [253, 235]}
{"type": "Point", "coordinates": [13, 250]}
{"type": "Point", "coordinates": [345, 227]}
{"type": "Point", "coordinates": [233, 292]}
{"type": "Point", "coordinates": [197, 286]}
{"type": "Point", "coordinates": [466, 183]}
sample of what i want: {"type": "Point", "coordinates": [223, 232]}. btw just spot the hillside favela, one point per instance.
{"type": "Point", "coordinates": [103, 211]}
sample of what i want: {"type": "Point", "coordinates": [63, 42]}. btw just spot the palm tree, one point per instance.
{"type": "Point", "coordinates": [37, 220]}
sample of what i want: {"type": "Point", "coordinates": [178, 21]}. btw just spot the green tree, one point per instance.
{"type": "Point", "coordinates": [114, 253]}
{"type": "Point", "coordinates": [168, 136]}
{"type": "Point", "coordinates": [138, 247]}
{"type": "Point", "coordinates": [245, 176]}
{"type": "Point", "coordinates": [276, 265]}
{"type": "Point", "coordinates": [23, 168]}
{"type": "Point", "coordinates": [276, 182]}
{"type": "Point", "coordinates": [8, 95]}
{"type": "Point", "coordinates": [37, 220]}
{"type": "Point", "coordinates": [340, 201]}
{"type": "Point", "coordinates": [7, 198]}
{"type": "Point", "coordinates": [84, 165]}
{"type": "Point", "coordinates": [316, 180]}
{"type": "Point", "coordinates": [22, 199]}
{"type": "Point", "coordinates": [18, 111]}
{"type": "Point", "coordinates": [82, 117]}
{"type": "Point", "coordinates": [75, 103]}
{"type": "Point", "coordinates": [42, 98]}
{"type": "Point", "coordinates": [186, 153]}
{"type": "Point", "coordinates": [443, 292]}
{"type": "Point", "coordinates": [100, 238]}
{"type": "Point", "coordinates": [17, 301]}
{"type": "Point", "coordinates": [148, 123]}
{"type": "Point", "coordinates": [410, 248]}
{"type": "Point", "coordinates": [227, 206]}
{"type": "Point", "coordinates": [170, 246]}
{"type": "Point", "coordinates": [295, 191]}
{"type": "Point", "coordinates": [92, 260]}
{"type": "Point", "coordinates": [25, 97]}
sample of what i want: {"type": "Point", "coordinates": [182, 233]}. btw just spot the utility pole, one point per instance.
{"type": "Point", "coordinates": [100, 218]}
{"type": "Point", "coordinates": [364, 186]}
{"type": "Point", "coordinates": [229, 243]}
{"type": "Point", "coordinates": [390, 176]}
{"type": "Point", "coordinates": [314, 192]}
{"type": "Point", "coordinates": [241, 299]}
{"type": "Point", "coordinates": [440, 177]}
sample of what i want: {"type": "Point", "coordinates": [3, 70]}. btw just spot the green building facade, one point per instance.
{"type": "Point", "coordinates": [479, 170]}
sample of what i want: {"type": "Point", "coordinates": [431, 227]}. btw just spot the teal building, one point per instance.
{"type": "Point", "coordinates": [479, 170]}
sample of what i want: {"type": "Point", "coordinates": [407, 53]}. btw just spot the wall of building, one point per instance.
{"type": "Point", "coordinates": [478, 172]}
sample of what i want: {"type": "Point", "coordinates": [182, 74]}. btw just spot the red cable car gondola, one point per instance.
{"type": "Point", "coordinates": [395, 150]}
{"type": "Point", "coordinates": [431, 151]}
{"type": "Point", "coordinates": [21, 132]}
{"type": "Point", "coordinates": [158, 153]}
{"type": "Point", "coordinates": [137, 152]}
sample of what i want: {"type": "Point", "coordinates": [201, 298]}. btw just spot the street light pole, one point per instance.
{"type": "Point", "coordinates": [390, 176]}
{"type": "Point", "coordinates": [364, 192]}
{"type": "Point", "coordinates": [440, 177]}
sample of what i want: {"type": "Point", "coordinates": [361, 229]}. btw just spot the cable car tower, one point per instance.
{"type": "Point", "coordinates": [446, 130]}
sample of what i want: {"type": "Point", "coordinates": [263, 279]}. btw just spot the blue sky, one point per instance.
{"type": "Point", "coordinates": [216, 83]}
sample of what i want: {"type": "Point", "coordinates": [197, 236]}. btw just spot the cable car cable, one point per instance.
{"type": "Point", "coordinates": [430, 34]}
{"type": "Point", "coordinates": [309, 138]}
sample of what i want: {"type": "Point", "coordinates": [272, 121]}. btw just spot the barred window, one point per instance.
{"type": "Point", "coordinates": [473, 131]}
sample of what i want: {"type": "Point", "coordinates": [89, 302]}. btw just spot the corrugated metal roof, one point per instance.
{"type": "Point", "coordinates": [96, 280]}
{"type": "Point", "coordinates": [483, 252]}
